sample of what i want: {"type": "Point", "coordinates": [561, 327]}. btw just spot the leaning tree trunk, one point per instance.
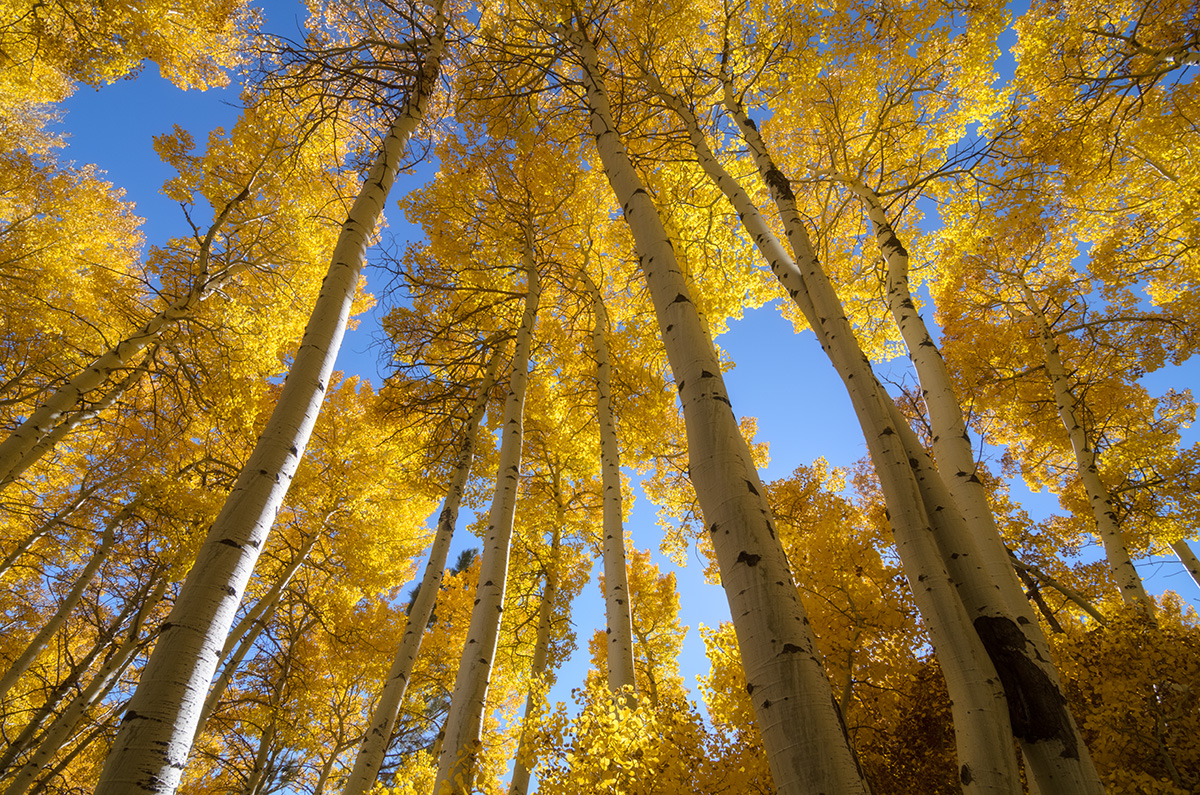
{"type": "Point", "coordinates": [1133, 590]}
{"type": "Point", "coordinates": [151, 748]}
{"type": "Point", "coordinates": [801, 727]}
{"type": "Point", "coordinates": [58, 415]}
{"type": "Point", "coordinates": [1055, 751]}
{"type": "Point", "coordinates": [1188, 558]}
{"type": "Point", "coordinates": [70, 683]}
{"type": "Point", "coordinates": [981, 720]}
{"type": "Point", "coordinates": [245, 633]}
{"type": "Point", "coordinates": [541, 654]}
{"type": "Point", "coordinates": [387, 710]}
{"type": "Point", "coordinates": [59, 731]}
{"type": "Point", "coordinates": [616, 579]}
{"type": "Point", "coordinates": [462, 735]}
{"type": "Point", "coordinates": [55, 623]}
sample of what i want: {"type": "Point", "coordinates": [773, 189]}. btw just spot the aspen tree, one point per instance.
{"type": "Point", "coordinates": [56, 411]}
{"type": "Point", "coordinates": [1133, 590]}
{"type": "Point", "coordinates": [1187, 557]}
{"type": "Point", "coordinates": [54, 696]}
{"type": "Point", "coordinates": [102, 683]}
{"type": "Point", "coordinates": [523, 763]}
{"type": "Point", "coordinates": [975, 553]}
{"type": "Point", "coordinates": [69, 602]}
{"type": "Point", "coordinates": [461, 737]}
{"type": "Point", "coordinates": [244, 634]}
{"type": "Point", "coordinates": [383, 718]}
{"type": "Point", "coordinates": [801, 727]}
{"type": "Point", "coordinates": [151, 749]}
{"type": "Point", "coordinates": [980, 711]}
{"type": "Point", "coordinates": [616, 582]}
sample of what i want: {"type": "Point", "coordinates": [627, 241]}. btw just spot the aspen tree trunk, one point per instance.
{"type": "Point", "coordinates": [1055, 751]}
{"type": "Point", "coordinates": [69, 683]}
{"type": "Point", "coordinates": [541, 648]}
{"type": "Point", "coordinates": [102, 727]}
{"type": "Point", "coordinates": [152, 745]}
{"type": "Point", "coordinates": [232, 663]}
{"type": "Point", "coordinates": [802, 730]}
{"type": "Point", "coordinates": [269, 600]}
{"type": "Point", "coordinates": [1133, 591]}
{"type": "Point", "coordinates": [616, 580]}
{"type": "Point", "coordinates": [51, 627]}
{"type": "Point", "coordinates": [462, 735]}
{"type": "Point", "coordinates": [73, 420]}
{"type": "Point", "coordinates": [243, 636]}
{"type": "Point", "coordinates": [1070, 593]}
{"type": "Point", "coordinates": [15, 451]}
{"type": "Point", "coordinates": [980, 714]}
{"type": "Point", "coordinates": [1188, 558]}
{"type": "Point", "coordinates": [59, 517]}
{"type": "Point", "coordinates": [387, 710]}
{"type": "Point", "coordinates": [109, 675]}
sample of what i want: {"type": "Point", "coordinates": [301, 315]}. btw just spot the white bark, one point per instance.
{"type": "Point", "coordinates": [55, 623]}
{"type": "Point", "coordinates": [981, 716]}
{"type": "Point", "coordinates": [1133, 590]}
{"type": "Point", "coordinates": [244, 634]}
{"type": "Point", "coordinates": [523, 764]}
{"type": "Point", "coordinates": [1056, 754]}
{"type": "Point", "coordinates": [616, 581]}
{"type": "Point", "coordinates": [26, 443]}
{"type": "Point", "coordinates": [1188, 558]}
{"type": "Point", "coordinates": [152, 745]}
{"type": "Point", "coordinates": [794, 705]}
{"type": "Point", "coordinates": [59, 731]}
{"type": "Point", "coordinates": [387, 710]}
{"type": "Point", "coordinates": [462, 735]}
{"type": "Point", "coordinates": [70, 422]}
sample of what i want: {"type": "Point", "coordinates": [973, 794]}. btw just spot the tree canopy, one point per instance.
{"type": "Point", "coordinates": [982, 218]}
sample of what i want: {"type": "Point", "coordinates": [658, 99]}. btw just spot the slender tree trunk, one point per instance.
{"type": "Point", "coordinates": [48, 419]}
{"type": "Point", "coordinates": [802, 730]}
{"type": "Point", "coordinates": [51, 627]}
{"type": "Point", "coordinates": [616, 580]}
{"type": "Point", "coordinates": [462, 736]}
{"type": "Point", "coordinates": [71, 682]}
{"type": "Point", "coordinates": [1055, 752]}
{"type": "Point", "coordinates": [151, 748]}
{"type": "Point", "coordinates": [243, 636]}
{"type": "Point", "coordinates": [981, 720]}
{"type": "Point", "coordinates": [1070, 593]}
{"type": "Point", "coordinates": [1133, 590]}
{"type": "Point", "coordinates": [387, 710]}
{"type": "Point", "coordinates": [59, 731]}
{"type": "Point", "coordinates": [102, 726]}
{"type": "Point", "coordinates": [523, 764]}
{"type": "Point", "coordinates": [44, 529]}
{"type": "Point", "coordinates": [1188, 558]}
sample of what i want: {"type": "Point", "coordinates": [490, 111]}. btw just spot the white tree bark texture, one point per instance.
{"type": "Point", "coordinates": [244, 634]}
{"type": "Point", "coordinates": [807, 748]}
{"type": "Point", "coordinates": [973, 550]}
{"type": "Point", "coordinates": [524, 761]}
{"type": "Point", "coordinates": [1133, 590]}
{"type": "Point", "coordinates": [155, 736]}
{"type": "Point", "coordinates": [22, 449]}
{"type": "Point", "coordinates": [387, 709]}
{"type": "Point", "coordinates": [982, 724]}
{"type": "Point", "coordinates": [1188, 558]}
{"type": "Point", "coordinates": [462, 735]}
{"type": "Point", "coordinates": [617, 605]}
